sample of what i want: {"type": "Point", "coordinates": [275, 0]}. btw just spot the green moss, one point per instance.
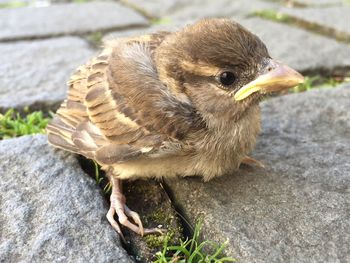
{"type": "Point", "coordinates": [172, 233]}
{"type": "Point", "coordinates": [161, 216]}
{"type": "Point", "coordinates": [171, 236]}
{"type": "Point", "coordinates": [157, 241]}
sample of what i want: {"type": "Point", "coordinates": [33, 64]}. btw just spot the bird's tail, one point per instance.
{"type": "Point", "coordinates": [60, 135]}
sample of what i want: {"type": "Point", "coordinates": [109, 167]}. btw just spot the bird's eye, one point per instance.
{"type": "Point", "coordinates": [227, 78]}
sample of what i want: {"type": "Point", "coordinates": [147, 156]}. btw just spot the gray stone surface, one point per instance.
{"type": "Point", "coordinates": [297, 208]}
{"type": "Point", "coordinates": [305, 51]}
{"type": "Point", "coordinates": [189, 10]}
{"type": "Point", "coordinates": [66, 19]}
{"type": "Point", "coordinates": [35, 73]}
{"type": "Point", "coordinates": [336, 18]}
{"type": "Point", "coordinates": [50, 211]}
{"type": "Point", "coordinates": [174, 26]}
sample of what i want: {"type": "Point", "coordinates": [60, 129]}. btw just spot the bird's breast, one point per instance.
{"type": "Point", "coordinates": [221, 150]}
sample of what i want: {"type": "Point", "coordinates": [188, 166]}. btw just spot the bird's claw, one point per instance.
{"type": "Point", "coordinates": [114, 224]}
{"type": "Point", "coordinates": [123, 212]}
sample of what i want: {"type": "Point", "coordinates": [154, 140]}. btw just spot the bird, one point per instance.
{"type": "Point", "coordinates": [168, 104]}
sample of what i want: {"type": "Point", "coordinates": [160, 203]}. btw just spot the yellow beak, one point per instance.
{"type": "Point", "coordinates": [277, 78]}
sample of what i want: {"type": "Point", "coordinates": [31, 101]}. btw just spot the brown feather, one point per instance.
{"type": "Point", "coordinates": [116, 153]}
{"type": "Point", "coordinates": [97, 120]}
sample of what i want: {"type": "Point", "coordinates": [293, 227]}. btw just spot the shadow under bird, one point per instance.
{"type": "Point", "coordinates": [169, 103]}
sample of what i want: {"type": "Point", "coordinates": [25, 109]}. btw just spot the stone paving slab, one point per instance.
{"type": "Point", "coordinates": [336, 18]}
{"type": "Point", "coordinates": [305, 51]}
{"type": "Point", "coordinates": [296, 209]}
{"type": "Point", "coordinates": [65, 19]}
{"type": "Point", "coordinates": [50, 210]}
{"type": "Point", "coordinates": [34, 73]}
{"type": "Point", "coordinates": [173, 26]}
{"type": "Point", "coordinates": [189, 10]}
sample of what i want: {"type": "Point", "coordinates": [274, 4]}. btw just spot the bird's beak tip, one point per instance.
{"type": "Point", "coordinates": [278, 78]}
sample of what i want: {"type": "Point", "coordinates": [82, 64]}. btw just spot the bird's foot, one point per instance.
{"type": "Point", "coordinates": [252, 162]}
{"type": "Point", "coordinates": [123, 212]}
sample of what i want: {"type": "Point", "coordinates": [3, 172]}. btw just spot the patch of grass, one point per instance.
{"type": "Point", "coordinates": [161, 21]}
{"type": "Point", "coordinates": [312, 82]}
{"type": "Point", "coordinates": [13, 4]}
{"type": "Point", "coordinates": [273, 15]}
{"type": "Point", "coordinates": [13, 124]}
{"type": "Point", "coordinates": [96, 38]}
{"type": "Point", "coordinates": [80, 1]}
{"type": "Point", "coordinates": [101, 179]}
{"type": "Point", "coordinates": [193, 251]}
{"type": "Point", "coordinates": [333, 82]}
{"type": "Point", "coordinates": [308, 84]}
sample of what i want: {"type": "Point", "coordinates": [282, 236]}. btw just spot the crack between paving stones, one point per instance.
{"type": "Point", "coordinates": [300, 4]}
{"type": "Point", "coordinates": [44, 106]}
{"type": "Point", "coordinates": [83, 35]}
{"type": "Point", "coordinates": [138, 9]}
{"type": "Point", "coordinates": [187, 228]}
{"type": "Point", "coordinates": [324, 72]}
{"type": "Point", "coordinates": [297, 22]}
{"type": "Point", "coordinates": [89, 170]}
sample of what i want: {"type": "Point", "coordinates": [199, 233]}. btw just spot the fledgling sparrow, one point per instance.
{"type": "Point", "coordinates": [167, 104]}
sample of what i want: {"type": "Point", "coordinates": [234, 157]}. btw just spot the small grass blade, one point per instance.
{"type": "Point", "coordinates": [193, 251]}
{"type": "Point", "coordinates": [13, 124]}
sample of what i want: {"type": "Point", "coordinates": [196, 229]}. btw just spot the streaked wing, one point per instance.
{"type": "Point", "coordinates": [117, 109]}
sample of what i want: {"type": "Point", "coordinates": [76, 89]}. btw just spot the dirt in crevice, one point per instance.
{"type": "Point", "coordinates": [151, 201]}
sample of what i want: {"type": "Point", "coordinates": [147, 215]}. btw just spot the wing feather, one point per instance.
{"type": "Point", "coordinates": [116, 109]}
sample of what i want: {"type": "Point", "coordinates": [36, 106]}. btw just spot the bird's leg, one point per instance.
{"type": "Point", "coordinates": [251, 161]}
{"type": "Point", "coordinates": [119, 207]}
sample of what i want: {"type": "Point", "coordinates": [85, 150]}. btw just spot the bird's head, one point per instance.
{"type": "Point", "coordinates": [220, 67]}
